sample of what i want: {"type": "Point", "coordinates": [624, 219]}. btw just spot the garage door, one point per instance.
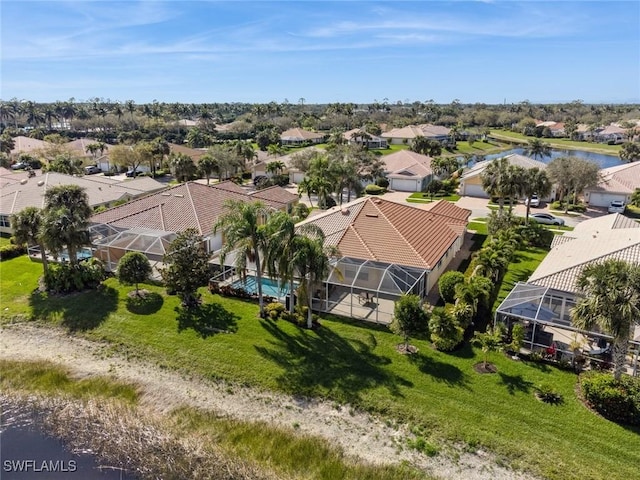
{"type": "Point", "coordinates": [604, 199]}
{"type": "Point", "coordinates": [473, 190]}
{"type": "Point", "coordinates": [402, 185]}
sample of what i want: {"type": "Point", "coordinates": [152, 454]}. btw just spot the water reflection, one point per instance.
{"type": "Point", "coordinates": [28, 453]}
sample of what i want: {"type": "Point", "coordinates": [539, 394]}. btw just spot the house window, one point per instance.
{"type": "Point", "coordinates": [4, 221]}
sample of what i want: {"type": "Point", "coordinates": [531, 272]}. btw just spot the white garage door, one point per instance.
{"type": "Point", "coordinates": [473, 190]}
{"type": "Point", "coordinates": [402, 185]}
{"type": "Point", "coordinates": [604, 199]}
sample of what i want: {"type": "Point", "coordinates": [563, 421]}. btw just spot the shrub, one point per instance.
{"type": "Point", "coordinates": [372, 189]}
{"type": "Point", "coordinates": [570, 208]}
{"type": "Point", "coordinates": [11, 251]}
{"type": "Point", "coordinates": [382, 182]}
{"type": "Point", "coordinates": [535, 235]}
{"type": "Point", "coordinates": [497, 221]}
{"type": "Point", "coordinates": [547, 394]}
{"type": "Point", "coordinates": [447, 285]}
{"type": "Point", "coordinates": [445, 332]}
{"type": "Point", "coordinates": [66, 278]}
{"type": "Point", "coordinates": [274, 310]}
{"type": "Point", "coordinates": [617, 400]}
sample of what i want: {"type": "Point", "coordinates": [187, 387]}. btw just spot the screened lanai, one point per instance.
{"type": "Point", "coordinates": [111, 244]}
{"type": "Point", "coordinates": [546, 316]}
{"type": "Point", "coordinates": [367, 289]}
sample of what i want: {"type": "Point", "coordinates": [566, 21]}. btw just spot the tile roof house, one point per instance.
{"type": "Point", "coordinates": [194, 153]}
{"type": "Point", "coordinates": [299, 136]}
{"type": "Point", "coordinates": [358, 136]}
{"type": "Point", "coordinates": [79, 147]}
{"type": "Point", "coordinates": [409, 133]}
{"type": "Point", "coordinates": [616, 183]}
{"type": "Point", "coordinates": [24, 144]}
{"type": "Point", "coordinates": [29, 192]}
{"type": "Point", "coordinates": [170, 211]}
{"type": "Point", "coordinates": [388, 248]}
{"type": "Point", "coordinates": [471, 180]}
{"type": "Point", "coordinates": [408, 171]}
{"type": "Point", "coordinates": [548, 296]}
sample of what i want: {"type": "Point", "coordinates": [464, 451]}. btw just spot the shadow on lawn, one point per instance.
{"type": "Point", "coordinates": [320, 361]}
{"type": "Point", "coordinates": [515, 383]}
{"type": "Point", "coordinates": [440, 371]}
{"type": "Point", "coordinates": [145, 304]}
{"type": "Point", "coordinates": [77, 311]}
{"type": "Point", "coordinates": [207, 319]}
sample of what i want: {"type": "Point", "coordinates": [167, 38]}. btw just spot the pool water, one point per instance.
{"type": "Point", "coordinates": [269, 287]}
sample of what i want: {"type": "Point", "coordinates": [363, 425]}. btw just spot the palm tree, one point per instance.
{"type": "Point", "coordinates": [243, 229]}
{"type": "Point", "coordinates": [65, 219]}
{"type": "Point", "coordinates": [493, 179]}
{"type": "Point", "coordinates": [284, 248]}
{"type": "Point", "coordinates": [514, 183]}
{"type": "Point", "coordinates": [305, 187]}
{"type": "Point", "coordinates": [182, 166]}
{"type": "Point", "coordinates": [275, 167]}
{"type": "Point", "coordinates": [27, 228]}
{"type": "Point", "coordinates": [313, 262]}
{"type": "Point", "coordinates": [630, 152]}
{"type": "Point", "coordinates": [207, 165]}
{"type": "Point", "coordinates": [611, 301]}
{"type": "Point", "coordinates": [537, 148]}
{"type": "Point", "coordinates": [535, 181]}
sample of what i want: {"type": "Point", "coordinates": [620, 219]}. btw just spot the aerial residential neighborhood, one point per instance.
{"type": "Point", "coordinates": [316, 240]}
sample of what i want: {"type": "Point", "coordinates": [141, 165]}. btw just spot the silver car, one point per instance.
{"type": "Point", "coordinates": [547, 219]}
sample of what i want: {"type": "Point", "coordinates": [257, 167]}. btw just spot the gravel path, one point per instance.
{"type": "Point", "coordinates": [359, 434]}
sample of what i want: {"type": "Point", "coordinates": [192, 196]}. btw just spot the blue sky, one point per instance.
{"type": "Point", "coordinates": [343, 51]}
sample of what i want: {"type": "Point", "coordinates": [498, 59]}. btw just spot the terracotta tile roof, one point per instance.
{"type": "Point", "coordinates": [412, 131]}
{"type": "Point", "coordinates": [194, 153]}
{"type": "Point", "coordinates": [619, 179]}
{"type": "Point", "coordinates": [80, 146]}
{"type": "Point", "coordinates": [610, 236]}
{"type": "Point", "coordinates": [24, 144]}
{"type": "Point", "coordinates": [406, 161]}
{"type": "Point", "coordinates": [385, 231]}
{"type": "Point", "coordinates": [300, 134]}
{"type": "Point", "coordinates": [188, 205]}
{"type": "Point", "coordinates": [275, 194]}
{"type": "Point", "coordinates": [100, 190]}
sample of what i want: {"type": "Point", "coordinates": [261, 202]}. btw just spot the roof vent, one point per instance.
{"type": "Point", "coordinates": [165, 194]}
{"type": "Point", "coordinates": [23, 181]}
{"type": "Point", "coordinates": [372, 215]}
{"type": "Point", "coordinates": [377, 200]}
{"type": "Point", "coordinates": [40, 183]}
{"type": "Point", "coordinates": [179, 195]}
{"type": "Point", "coordinates": [345, 211]}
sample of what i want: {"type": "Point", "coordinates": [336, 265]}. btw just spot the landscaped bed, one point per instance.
{"type": "Point", "coordinates": [349, 362]}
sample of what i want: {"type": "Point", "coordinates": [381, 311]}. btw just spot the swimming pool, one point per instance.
{"type": "Point", "coordinates": [269, 287]}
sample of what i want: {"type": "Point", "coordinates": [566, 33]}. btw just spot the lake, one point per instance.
{"type": "Point", "coordinates": [604, 161]}
{"type": "Point", "coordinates": [30, 454]}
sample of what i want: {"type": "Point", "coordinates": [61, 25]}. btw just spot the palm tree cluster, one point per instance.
{"type": "Point", "coordinates": [341, 169]}
{"type": "Point", "coordinates": [61, 224]}
{"type": "Point", "coordinates": [271, 242]}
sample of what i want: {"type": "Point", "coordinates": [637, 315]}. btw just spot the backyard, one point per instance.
{"type": "Point", "coordinates": [345, 361]}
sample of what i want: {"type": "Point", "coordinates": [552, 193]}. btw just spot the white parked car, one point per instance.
{"type": "Point", "coordinates": [534, 201]}
{"type": "Point", "coordinates": [547, 219]}
{"type": "Point", "coordinates": [617, 206]}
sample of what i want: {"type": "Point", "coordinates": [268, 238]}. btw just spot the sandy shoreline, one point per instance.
{"type": "Point", "coordinates": [359, 434]}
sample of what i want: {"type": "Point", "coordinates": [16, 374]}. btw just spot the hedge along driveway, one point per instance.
{"type": "Point", "coordinates": [351, 362]}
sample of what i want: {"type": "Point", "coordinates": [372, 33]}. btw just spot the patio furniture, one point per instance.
{"type": "Point", "coordinates": [363, 297]}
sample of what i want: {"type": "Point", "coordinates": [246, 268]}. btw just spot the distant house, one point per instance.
{"type": "Point", "coordinates": [194, 153]}
{"type": "Point", "coordinates": [545, 301]}
{"type": "Point", "coordinates": [471, 179]}
{"type": "Point", "coordinates": [408, 171]}
{"type": "Point", "coordinates": [358, 136]}
{"type": "Point", "coordinates": [406, 135]}
{"type": "Point", "coordinates": [617, 183]}
{"type": "Point", "coordinates": [28, 145]}
{"type": "Point", "coordinates": [299, 136]}
{"type": "Point", "coordinates": [101, 191]}
{"type": "Point", "coordinates": [612, 134]}
{"type": "Point", "coordinates": [79, 148]}
{"type": "Point", "coordinates": [155, 220]}
{"type": "Point", "coordinates": [386, 249]}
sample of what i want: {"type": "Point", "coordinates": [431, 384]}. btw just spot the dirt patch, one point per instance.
{"type": "Point", "coordinates": [485, 367]}
{"type": "Point", "coordinates": [361, 435]}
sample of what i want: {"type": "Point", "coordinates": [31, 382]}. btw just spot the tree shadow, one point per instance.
{"type": "Point", "coordinates": [515, 383]}
{"type": "Point", "coordinates": [207, 319]}
{"type": "Point", "coordinates": [150, 303]}
{"type": "Point", "coordinates": [440, 371]}
{"type": "Point", "coordinates": [320, 361]}
{"type": "Point", "coordinates": [79, 311]}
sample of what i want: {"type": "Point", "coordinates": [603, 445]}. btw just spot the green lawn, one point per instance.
{"type": "Point", "coordinates": [348, 361]}
{"type": "Point", "coordinates": [479, 148]}
{"type": "Point", "coordinates": [421, 197]}
{"type": "Point", "coordinates": [559, 143]}
{"type": "Point", "coordinates": [520, 269]}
